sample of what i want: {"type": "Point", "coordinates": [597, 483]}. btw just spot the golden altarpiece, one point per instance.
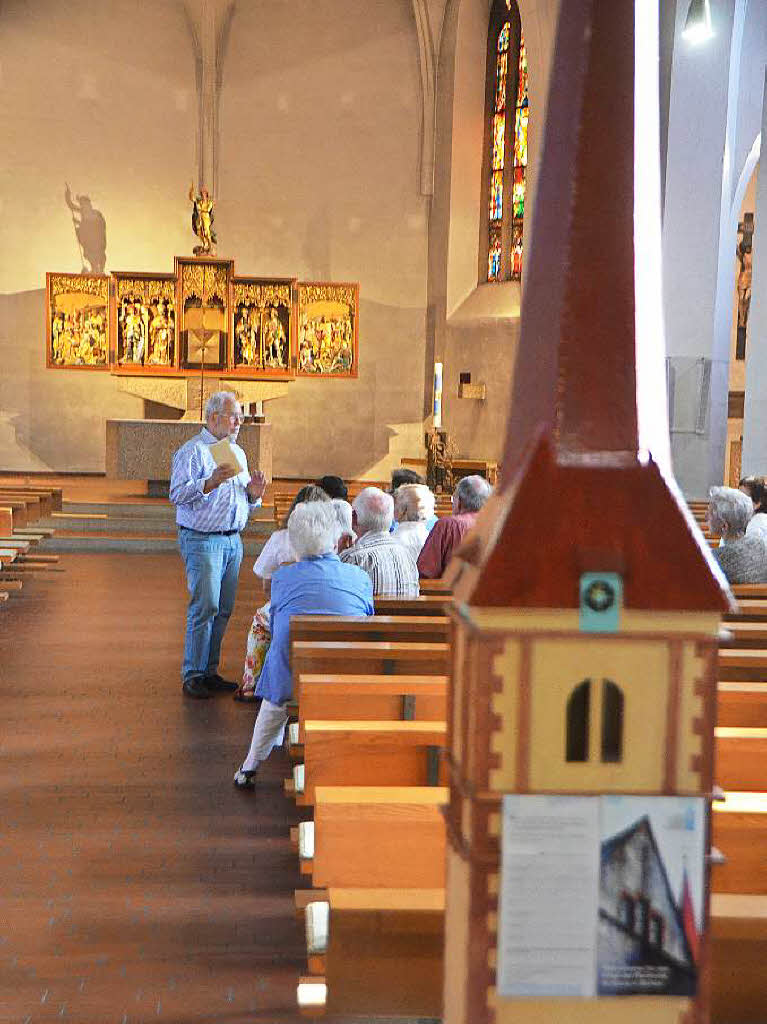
{"type": "Point", "coordinates": [201, 318]}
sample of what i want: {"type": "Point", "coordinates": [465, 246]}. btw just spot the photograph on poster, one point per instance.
{"type": "Point", "coordinates": [650, 895]}
{"type": "Point", "coordinates": [600, 896]}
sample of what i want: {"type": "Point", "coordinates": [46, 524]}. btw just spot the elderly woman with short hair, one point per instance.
{"type": "Point", "coordinates": [742, 556]}
{"type": "Point", "coordinates": [317, 584]}
{"type": "Point", "coordinates": [413, 508]}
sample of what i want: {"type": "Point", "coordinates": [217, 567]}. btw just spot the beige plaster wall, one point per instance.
{"type": "Point", "coordinates": [318, 163]}
{"type": "Point", "coordinates": [101, 96]}
{"type": "Point", "coordinates": [319, 178]}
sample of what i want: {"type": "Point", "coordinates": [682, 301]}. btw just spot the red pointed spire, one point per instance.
{"type": "Point", "coordinates": [577, 493]}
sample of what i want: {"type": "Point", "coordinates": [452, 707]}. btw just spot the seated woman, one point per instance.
{"type": "Point", "coordinates": [754, 487]}
{"type": "Point", "coordinates": [276, 552]}
{"type": "Point", "coordinates": [742, 556]}
{"type": "Point", "coordinates": [317, 584]}
{"type": "Point", "coordinates": [413, 511]}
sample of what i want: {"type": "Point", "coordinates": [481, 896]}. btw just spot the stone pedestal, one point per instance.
{"type": "Point", "coordinates": [144, 449]}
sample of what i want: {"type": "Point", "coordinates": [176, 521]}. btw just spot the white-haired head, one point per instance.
{"type": "Point", "coordinates": [312, 529]}
{"type": "Point", "coordinates": [471, 494]}
{"type": "Point", "coordinates": [413, 503]}
{"type": "Point", "coordinates": [223, 414]}
{"type": "Point", "coordinates": [729, 511]}
{"type": "Point", "coordinates": [343, 512]}
{"type": "Point", "coordinates": [373, 511]}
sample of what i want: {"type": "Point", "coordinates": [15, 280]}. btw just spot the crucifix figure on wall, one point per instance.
{"type": "Point", "coordinates": [745, 258]}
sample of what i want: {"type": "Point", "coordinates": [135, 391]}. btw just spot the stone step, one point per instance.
{"type": "Point", "coordinates": [139, 510]}
{"type": "Point", "coordinates": [138, 542]}
{"type": "Point", "coordinates": [113, 524]}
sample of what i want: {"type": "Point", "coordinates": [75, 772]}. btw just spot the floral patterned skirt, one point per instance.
{"type": "Point", "coordinates": [259, 638]}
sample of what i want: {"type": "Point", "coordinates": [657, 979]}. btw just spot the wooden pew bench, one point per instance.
{"type": "Point", "coordinates": [366, 658]}
{"type": "Point", "coordinates": [34, 503]}
{"type": "Point", "coordinates": [375, 837]}
{"type": "Point", "coordinates": [379, 950]}
{"type": "Point", "coordinates": [416, 629]}
{"type": "Point", "coordinates": [739, 831]}
{"type": "Point", "coordinates": [363, 753]}
{"type": "Point", "coordinates": [369, 697]}
{"type": "Point", "coordinates": [742, 705]}
{"type": "Point", "coordinates": [6, 520]}
{"type": "Point", "coordinates": [426, 604]}
{"type": "Point", "coordinates": [738, 958]}
{"type": "Point", "coordinates": [741, 759]}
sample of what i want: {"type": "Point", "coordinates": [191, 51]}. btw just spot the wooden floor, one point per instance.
{"type": "Point", "coordinates": [136, 883]}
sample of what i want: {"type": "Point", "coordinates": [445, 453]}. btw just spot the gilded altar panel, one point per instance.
{"type": "Point", "coordinates": [77, 321]}
{"type": "Point", "coordinates": [328, 316]}
{"type": "Point", "coordinates": [203, 304]}
{"type": "Point", "coordinates": [262, 327]}
{"type": "Point", "coordinates": [144, 323]}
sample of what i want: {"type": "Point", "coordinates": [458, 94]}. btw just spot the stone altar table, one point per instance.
{"type": "Point", "coordinates": [143, 449]}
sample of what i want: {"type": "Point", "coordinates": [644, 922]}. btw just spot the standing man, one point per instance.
{"type": "Point", "coordinates": [212, 507]}
{"type": "Point", "coordinates": [468, 498]}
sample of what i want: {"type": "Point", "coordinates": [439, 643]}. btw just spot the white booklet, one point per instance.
{"type": "Point", "coordinates": [225, 454]}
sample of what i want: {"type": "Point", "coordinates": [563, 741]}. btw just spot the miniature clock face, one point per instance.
{"type": "Point", "coordinates": [600, 601]}
{"type": "Point", "coordinates": [599, 595]}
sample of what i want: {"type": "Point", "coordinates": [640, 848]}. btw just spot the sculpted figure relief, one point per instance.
{"type": "Point", "coordinates": [202, 221]}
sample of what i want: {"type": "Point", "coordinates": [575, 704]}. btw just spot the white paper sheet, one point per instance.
{"type": "Point", "coordinates": [549, 895]}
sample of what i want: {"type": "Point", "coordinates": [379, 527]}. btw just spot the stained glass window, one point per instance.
{"type": "Point", "coordinates": [507, 159]}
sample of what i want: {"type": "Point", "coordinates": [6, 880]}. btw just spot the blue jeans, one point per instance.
{"type": "Point", "coordinates": [212, 566]}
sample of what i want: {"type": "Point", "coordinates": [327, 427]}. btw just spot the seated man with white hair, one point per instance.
{"type": "Point", "coordinates": [468, 498]}
{"type": "Point", "coordinates": [742, 556]}
{"type": "Point", "coordinates": [414, 510]}
{"type": "Point", "coordinates": [390, 566]}
{"type": "Point", "coordinates": [317, 584]}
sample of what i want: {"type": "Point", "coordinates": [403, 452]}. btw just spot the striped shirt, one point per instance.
{"type": "Point", "coordinates": [227, 507]}
{"type": "Point", "coordinates": [390, 566]}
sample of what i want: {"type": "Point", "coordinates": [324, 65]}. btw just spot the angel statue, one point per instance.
{"type": "Point", "coordinates": [202, 221]}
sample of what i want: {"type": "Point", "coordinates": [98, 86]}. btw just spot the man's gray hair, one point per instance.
{"type": "Point", "coordinates": [217, 401]}
{"type": "Point", "coordinates": [471, 493]}
{"type": "Point", "coordinates": [313, 529]}
{"type": "Point", "coordinates": [343, 513]}
{"type": "Point", "coordinates": [375, 510]}
{"type": "Point", "coordinates": [729, 510]}
{"type": "Point", "coordinates": [413, 503]}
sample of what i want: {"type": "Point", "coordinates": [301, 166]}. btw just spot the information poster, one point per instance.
{"type": "Point", "coordinates": [600, 895]}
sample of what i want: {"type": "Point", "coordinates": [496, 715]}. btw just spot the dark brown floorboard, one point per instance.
{"type": "Point", "coordinates": [136, 884]}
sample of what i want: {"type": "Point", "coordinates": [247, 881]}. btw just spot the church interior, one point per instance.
{"type": "Point", "coordinates": [519, 236]}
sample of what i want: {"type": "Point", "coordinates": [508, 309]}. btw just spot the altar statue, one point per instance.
{"type": "Point", "coordinates": [274, 341]}
{"type": "Point", "coordinates": [202, 221]}
{"type": "Point", "coordinates": [159, 336]}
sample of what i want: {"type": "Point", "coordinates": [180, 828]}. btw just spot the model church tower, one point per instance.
{"type": "Point", "coordinates": [586, 610]}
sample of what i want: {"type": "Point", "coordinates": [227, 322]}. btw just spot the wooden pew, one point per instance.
{"type": "Point", "coordinates": [416, 629]}
{"type": "Point", "coordinates": [6, 519]}
{"type": "Point", "coordinates": [361, 753]}
{"type": "Point", "coordinates": [741, 759]}
{"type": "Point", "coordinates": [739, 831]}
{"type": "Point", "coordinates": [380, 951]}
{"type": "Point", "coordinates": [370, 697]}
{"type": "Point", "coordinates": [375, 837]}
{"type": "Point", "coordinates": [34, 502]}
{"type": "Point", "coordinates": [367, 658]}
{"type": "Point", "coordinates": [738, 956]}
{"type": "Point", "coordinates": [742, 705]}
{"type": "Point", "coordinates": [426, 604]}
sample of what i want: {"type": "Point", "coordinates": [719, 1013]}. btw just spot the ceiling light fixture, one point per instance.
{"type": "Point", "coordinates": [697, 26]}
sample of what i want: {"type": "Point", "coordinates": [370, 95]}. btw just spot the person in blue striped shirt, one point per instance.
{"type": "Point", "coordinates": [212, 507]}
